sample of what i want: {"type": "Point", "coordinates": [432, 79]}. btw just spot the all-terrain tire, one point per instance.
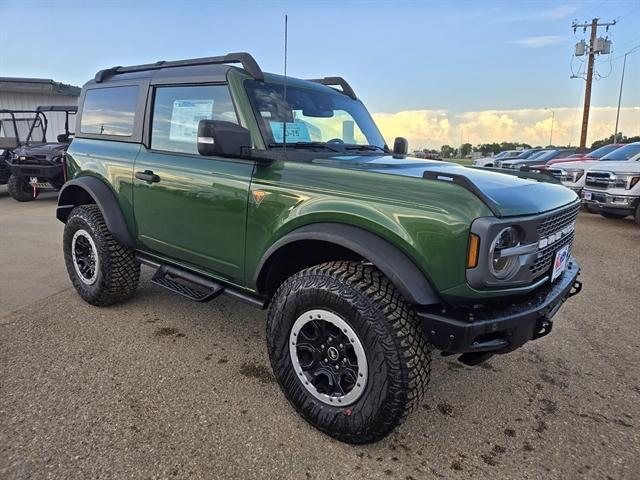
{"type": "Point", "coordinates": [614, 216]}
{"type": "Point", "coordinates": [118, 271]}
{"type": "Point", "coordinates": [590, 208]}
{"type": "Point", "coordinates": [398, 355]}
{"type": "Point", "coordinates": [20, 189]}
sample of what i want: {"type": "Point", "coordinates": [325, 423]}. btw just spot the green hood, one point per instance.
{"type": "Point", "coordinates": [509, 194]}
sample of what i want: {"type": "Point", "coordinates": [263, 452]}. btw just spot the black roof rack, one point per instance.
{"type": "Point", "coordinates": [329, 81]}
{"type": "Point", "coordinates": [247, 61]}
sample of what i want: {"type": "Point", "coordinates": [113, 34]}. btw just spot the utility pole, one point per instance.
{"type": "Point", "coordinates": [624, 64]}
{"type": "Point", "coordinates": [553, 117]}
{"type": "Point", "coordinates": [592, 53]}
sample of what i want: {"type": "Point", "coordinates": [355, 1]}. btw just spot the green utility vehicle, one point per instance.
{"type": "Point", "coordinates": [283, 193]}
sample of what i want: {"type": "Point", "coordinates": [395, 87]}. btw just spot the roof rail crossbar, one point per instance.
{"type": "Point", "coordinates": [57, 108]}
{"type": "Point", "coordinates": [331, 81]}
{"type": "Point", "coordinates": [247, 61]}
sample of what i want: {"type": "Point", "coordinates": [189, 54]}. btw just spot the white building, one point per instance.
{"type": "Point", "coordinates": [30, 93]}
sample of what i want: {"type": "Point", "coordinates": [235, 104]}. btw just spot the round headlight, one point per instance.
{"type": "Point", "coordinates": [503, 266]}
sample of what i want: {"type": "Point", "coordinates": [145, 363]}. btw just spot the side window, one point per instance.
{"type": "Point", "coordinates": [109, 111]}
{"type": "Point", "coordinates": [177, 111]}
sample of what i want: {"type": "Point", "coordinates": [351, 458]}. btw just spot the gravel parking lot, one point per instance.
{"type": "Point", "coordinates": [160, 387]}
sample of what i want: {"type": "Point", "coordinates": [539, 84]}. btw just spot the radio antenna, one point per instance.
{"type": "Point", "coordinates": [286, 105]}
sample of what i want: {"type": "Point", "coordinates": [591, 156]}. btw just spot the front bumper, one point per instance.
{"type": "Point", "coordinates": [606, 201]}
{"type": "Point", "coordinates": [501, 328]}
{"type": "Point", "coordinates": [42, 171]}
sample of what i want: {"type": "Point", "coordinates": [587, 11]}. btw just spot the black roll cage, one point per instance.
{"type": "Point", "coordinates": [38, 114]}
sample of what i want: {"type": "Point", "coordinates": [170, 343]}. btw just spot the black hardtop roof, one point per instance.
{"type": "Point", "coordinates": [211, 69]}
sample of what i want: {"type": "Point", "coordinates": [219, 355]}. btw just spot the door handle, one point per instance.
{"type": "Point", "coordinates": [148, 176]}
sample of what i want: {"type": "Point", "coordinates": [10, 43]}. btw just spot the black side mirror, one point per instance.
{"type": "Point", "coordinates": [400, 147]}
{"type": "Point", "coordinates": [227, 139]}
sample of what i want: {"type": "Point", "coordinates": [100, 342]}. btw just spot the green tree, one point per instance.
{"type": "Point", "coordinates": [621, 139]}
{"type": "Point", "coordinates": [447, 151]}
{"type": "Point", "coordinates": [465, 149]}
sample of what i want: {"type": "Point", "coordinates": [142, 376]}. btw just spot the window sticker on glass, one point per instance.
{"type": "Point", "coordinates": [296, 132]}
{"type": "Point", "coordinates": [185, 116]}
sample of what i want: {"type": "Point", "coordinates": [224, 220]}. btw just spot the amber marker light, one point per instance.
{"type": "Point", "coordinates": [473, 251]}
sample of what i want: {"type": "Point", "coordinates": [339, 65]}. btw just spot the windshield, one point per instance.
{"type": "Point", "coordinates": [311, 116]}
{"type": "Point", "coordinates": [623, 153]}
{"type": "Point", "coordinates": [602, 151]}
{"type": "Point", "coordinates": [20, 128]}
{"type": "Point", "coordinates": [539, 154]}
{"type": "Point", "coordinates": [546, 155]}
{"type": "Point", "coordinates": [528, 153]}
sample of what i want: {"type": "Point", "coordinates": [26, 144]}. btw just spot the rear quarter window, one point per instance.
{"type": "Point", "coordinates": [109, 111]}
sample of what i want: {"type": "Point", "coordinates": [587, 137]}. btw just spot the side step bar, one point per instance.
{"type": "Point", "coordinates": [203, 289]}
{"type": "Point", "coordinates": [195, 286]}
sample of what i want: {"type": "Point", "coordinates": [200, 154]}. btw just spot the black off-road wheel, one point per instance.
{"type": "Point", "coordinates": [102, 271]}
{"type": "Point", "coordinates": [347, 350]}
{"type": "Point", "coordinates": [614, 216]}
{"type": "Point", "coordinates": [20, 189]}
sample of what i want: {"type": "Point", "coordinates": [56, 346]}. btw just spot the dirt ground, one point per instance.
{"type": "Point", "coordinates": [160, 387]}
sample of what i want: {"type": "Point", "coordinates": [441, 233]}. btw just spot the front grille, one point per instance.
{"type": "Point", "coordinates": [559, 174]}
{"type": "Point", "coordinates": [599, 179]}
{"type": "Point", "coordinates": [545, 256]}
{"type": "Point", "coordinates": [558, 221]}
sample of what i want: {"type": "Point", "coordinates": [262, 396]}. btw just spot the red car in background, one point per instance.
{"type": "Point", "coordinates": [597, 154]}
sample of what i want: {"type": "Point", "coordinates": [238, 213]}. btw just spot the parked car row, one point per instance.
{"type": "Point", "coordinates": [607, 179]}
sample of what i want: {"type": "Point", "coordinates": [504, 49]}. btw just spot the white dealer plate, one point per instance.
{"type": "Point", "coordinates": [560, 262]}
{"type": "Point", "coordinates": [587, 195]}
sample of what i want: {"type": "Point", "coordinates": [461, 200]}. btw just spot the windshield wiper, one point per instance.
{"type": "Point", "coordinates": [306, 145]}
{"type": "Point", "coordinates": [365, 147]}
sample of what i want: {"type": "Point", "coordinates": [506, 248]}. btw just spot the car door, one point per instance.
{"type": "Point", "coordinates": [189, 207]}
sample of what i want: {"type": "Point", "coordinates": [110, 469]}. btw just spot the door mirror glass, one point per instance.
{"type": "Point", "coordinates": [227, 139]}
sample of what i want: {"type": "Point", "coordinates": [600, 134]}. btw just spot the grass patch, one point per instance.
{"type": "Point", "coordinates": [460, 161]}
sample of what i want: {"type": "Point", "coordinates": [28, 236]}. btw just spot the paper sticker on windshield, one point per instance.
{"type": "Point", "coordinates": [185, 117]}
{"type": "Point", "coordinates": [296, 132]}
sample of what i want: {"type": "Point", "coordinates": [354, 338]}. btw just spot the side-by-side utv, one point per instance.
{"type": "Point", "coordinates": [34, 163]}
{"type": "Point", "coordinates": [17, 128]}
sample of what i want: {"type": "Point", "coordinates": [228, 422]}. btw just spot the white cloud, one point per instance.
{"type": "Point", "coordinates": [433, 128]}
{"type": "Point", "coordinates": [538, 41]}
{"type": "Point", "coordinates": [556, 13]}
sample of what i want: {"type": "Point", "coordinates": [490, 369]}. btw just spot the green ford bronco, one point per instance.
{"type": "Point", "coordinates": [282, 193]}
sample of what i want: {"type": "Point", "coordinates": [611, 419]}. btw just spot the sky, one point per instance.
{"type": "Point", "coordinates": [436, 72]}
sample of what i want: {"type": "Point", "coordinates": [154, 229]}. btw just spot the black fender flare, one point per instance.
{"type": "Point", "coordinates": [74, 193]}
{"type": "Point", "coordinates": [389, 259]}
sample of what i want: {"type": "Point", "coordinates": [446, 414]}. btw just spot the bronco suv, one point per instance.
{"type": "Point", "coordinates": [283, 193]}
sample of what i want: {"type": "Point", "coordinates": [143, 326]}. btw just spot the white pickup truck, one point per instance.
{"type": "Point", "coordinates": [572, 174]}
{"type": "Point", "coordinates": [613, 189]}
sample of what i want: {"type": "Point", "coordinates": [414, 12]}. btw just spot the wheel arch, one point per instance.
{"type": "Point", "coordinates": [91, 190]}
{"type": "Point", "coordinates": [345, 242]}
